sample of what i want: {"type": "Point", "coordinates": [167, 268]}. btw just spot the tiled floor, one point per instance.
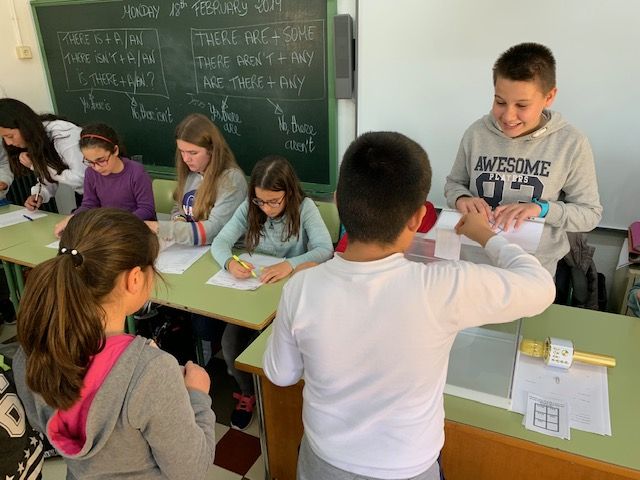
{"type": "Point", "coordinates": [238, 453]}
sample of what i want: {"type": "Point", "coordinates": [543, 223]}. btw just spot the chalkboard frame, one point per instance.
{"type": "Point", "coordinates": [168, 172]}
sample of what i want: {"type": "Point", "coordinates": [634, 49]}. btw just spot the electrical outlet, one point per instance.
{"type": "Point", "coordinates": [24, 52]}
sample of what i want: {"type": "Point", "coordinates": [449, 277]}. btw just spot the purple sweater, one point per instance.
{"type": "Point", "coordinates": [128, 190]}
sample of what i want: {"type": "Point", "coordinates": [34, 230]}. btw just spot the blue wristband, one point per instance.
{"type": "Point", "coordinates": [544, 207]}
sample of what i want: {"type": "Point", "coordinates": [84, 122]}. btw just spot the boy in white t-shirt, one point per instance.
{"type": "Point", "coordinates": [370, 331]}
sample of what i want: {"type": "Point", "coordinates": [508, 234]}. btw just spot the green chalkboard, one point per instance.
{"type": "Point", "coordinates": [259, 69]}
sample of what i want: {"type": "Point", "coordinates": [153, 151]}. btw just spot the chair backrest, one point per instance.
{"type": "Point", "coordinates": [329, 214]}
{"type": "Point", "coordinates": [163, 194]}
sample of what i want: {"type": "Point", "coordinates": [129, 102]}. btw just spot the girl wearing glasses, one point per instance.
{"type": "Point", "coordinates": [277, 220]}
{"type": "Point", "coordinates": [45, 145]}
{"type": "Point", "coordinates": [111, 180]}
{"type": "Point", "coordinates": [211, 185]}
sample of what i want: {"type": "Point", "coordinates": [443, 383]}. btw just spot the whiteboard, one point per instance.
{"type": "Point", "coordinates": [424, 69]}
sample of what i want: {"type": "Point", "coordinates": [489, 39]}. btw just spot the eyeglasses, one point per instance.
{"type": "Point", "coordinates": [271, 203]}
{"type": "Point", "coordinates": [101, 162]}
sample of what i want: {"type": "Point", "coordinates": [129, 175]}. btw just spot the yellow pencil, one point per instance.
{"type": "Point", "coordinates": [237, 259]}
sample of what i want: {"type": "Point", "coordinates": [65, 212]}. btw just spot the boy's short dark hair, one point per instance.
{"type": "Point", "coordinates": [527, 62]}
{"type": "Point", "coordinates": [384, 178]}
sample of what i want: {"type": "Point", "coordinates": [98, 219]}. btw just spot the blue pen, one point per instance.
{"type": "Point", "coordinates": [28, 218]}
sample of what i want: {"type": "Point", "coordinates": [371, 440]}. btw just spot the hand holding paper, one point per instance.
{"type": "Point", "coordinates": [276, 272]}
{"type": "Point", "coordinates": [514, 215]}
{"type": "Point", "coordinates": [475, 227]}
{"type": "Point", "coordinates": [474, 204]}
{"type": "Point", "coordinates": [527, 236]}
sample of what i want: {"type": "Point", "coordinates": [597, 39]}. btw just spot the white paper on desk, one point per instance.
{"type": "Point", "coordinates": [164, 244]}
{"type": "Point", "coordinates": [448, 244]}
{"type": "Point", "coordinates": [177, 258]}
{"type": "Point", "coordinates": [547, 416]}
{"type": "Point", "coordinates": [584, 386]}
{"type": "Point", "coordinates": [55, 245]}
{"type": "Point", "coordinates": [19, 216]}
{"type": "Point", "coordinates": [225, 279]}
{"type": "Point", "coordinates": [527, 236]}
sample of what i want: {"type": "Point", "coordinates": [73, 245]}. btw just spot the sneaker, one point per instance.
{"type": "Point", "coordinates": [243, 414]}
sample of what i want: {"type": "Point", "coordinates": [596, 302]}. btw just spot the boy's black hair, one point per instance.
{"type": "Point", "coordinates": [384, 178]}
{"type": "Point", "coordinates": [527, 62]}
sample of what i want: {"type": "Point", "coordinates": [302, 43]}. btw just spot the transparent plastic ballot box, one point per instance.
{"type": "Point", "coordinates": [482, 359]}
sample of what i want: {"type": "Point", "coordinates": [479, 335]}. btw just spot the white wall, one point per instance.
{"type": "Point", "coordinates": [21, 79]}
{"type": "Point", "coordinates": [346, 108]}
{"type": "Point", "coordinates": [425, 70]}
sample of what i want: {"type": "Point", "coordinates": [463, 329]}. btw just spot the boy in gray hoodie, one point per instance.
{"type": "Point", "coordinates": [523, 160]}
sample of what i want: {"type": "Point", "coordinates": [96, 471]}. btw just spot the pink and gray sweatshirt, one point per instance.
{"type": "Point", "coordinates": [134, 419]}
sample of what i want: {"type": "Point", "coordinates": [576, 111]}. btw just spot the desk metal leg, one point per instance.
{"type": "Point", "coordinates": [199, 351]}
{"type": "Point", "coordinates": [631, 279]}
{"type": "Point", "coordinates": [131, 325]}
{"type": "Point", "coordinates": [263, 436]}
{"type": "Point", "coordinates": [11, 284]}
{"type": "Point", "coordinates": [17, 270]}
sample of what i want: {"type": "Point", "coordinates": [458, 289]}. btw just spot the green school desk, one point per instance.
{"type": "Point", "coordinates": [8, 235]}
{"type": "Point", "coordinates": [251, 309]}
{"type": "Point", "coordinates": [484, 442]}
{"type": "Point", "coordinates": [40, 230]}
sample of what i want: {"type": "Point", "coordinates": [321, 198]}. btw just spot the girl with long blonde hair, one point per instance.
{"type": "Point", "coordinates": [211, 185]}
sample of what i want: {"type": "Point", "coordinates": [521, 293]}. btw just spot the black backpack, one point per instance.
{"type": "Point", "coordinates": [578, 283]}
{"type": "Point", "coordinates": [169, 328]}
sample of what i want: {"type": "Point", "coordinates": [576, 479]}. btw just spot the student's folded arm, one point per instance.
{"type": "Point", "coordinates": [178, 424]}
{"type": "Point", "coordinates": [229, 235]}
{"type": "Point", "coordinates": [580, 210]}
{"type": "Point", "coordinates": [184, 233]}
{"type": "Point", "coordinates": [319, 246]}
{"type": "Point", "coordinates": [205, 231]}
{"type": "Point", "coordinates": [143, 193]}
{"type": "Point", "coordinates": [176, 210]}
{"type": "Point", "coordinates": [473, 294]}
{"type": "Point", "coordinates": [457, 183]}
{"type": "Point", "coordinates": [282, 361]}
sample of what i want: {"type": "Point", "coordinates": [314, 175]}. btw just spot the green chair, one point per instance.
{"type": "Point", "coordinates": [329, 214]}
{"type": "Point", "coordinates": [163, 194]}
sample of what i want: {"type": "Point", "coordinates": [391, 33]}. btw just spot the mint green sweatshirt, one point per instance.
{"type": "Point", "coordinates": [554, 163]}
{"type": "Point", "coordinates": [312, 245]}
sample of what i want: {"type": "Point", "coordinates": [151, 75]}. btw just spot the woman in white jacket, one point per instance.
{"type": "Point", "coordinates": [45, 145]}
{"type": "Point", "coordinates": [6, 177]}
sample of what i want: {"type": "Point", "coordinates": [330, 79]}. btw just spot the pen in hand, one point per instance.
{"type": "Point", "coordinates": [38, 193]}
{"type": "Point", "coordinates": [237, 259]}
